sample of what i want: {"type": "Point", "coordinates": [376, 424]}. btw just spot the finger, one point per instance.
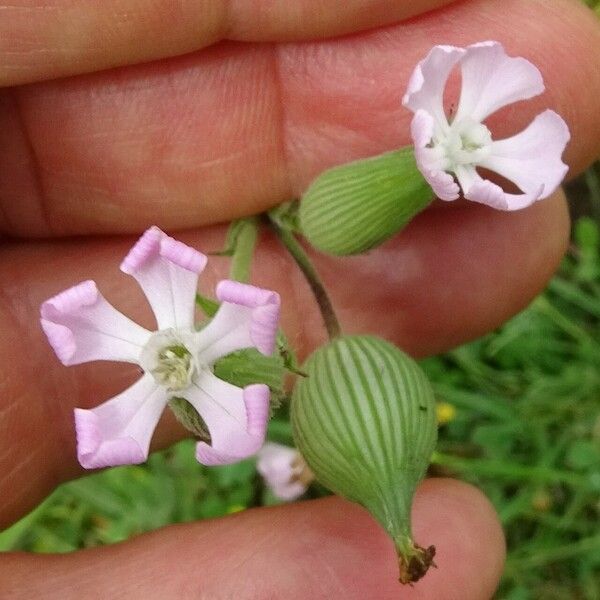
{"type": "Point", "coordinates": [320, 549]}
{"type": "Point", "coordinates": [236, 129]}
{"type": "Point", "coordinates": [452, 275]}
{"type": "Point", "coordinates": [41, 41]}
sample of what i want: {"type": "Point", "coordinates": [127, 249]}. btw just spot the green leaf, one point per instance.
{"type": "Point", "coordinates": [248, 366]}
{"type": "Point", "coordinates": [208, 306]}
{"type": "Point", "coordinates": [354, 207]}
{"type": "Point", "coordinates": [583, 454]}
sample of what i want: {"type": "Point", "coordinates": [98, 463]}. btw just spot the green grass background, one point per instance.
{"type": "Point", "coordinates": [526, 431]}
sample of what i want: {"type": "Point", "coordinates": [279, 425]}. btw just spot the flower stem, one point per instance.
{"type": "Point", "coordinates": [245, 242]}
{"type": "Point", "coordinates": [288, 239]}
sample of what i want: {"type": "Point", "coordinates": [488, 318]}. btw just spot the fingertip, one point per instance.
{"type": "Point", "coordinates": [326, 548]}
{"type": "Point", "coordinates": [470, 546]}
{"type": "Point", "coordinates": [455, 517]}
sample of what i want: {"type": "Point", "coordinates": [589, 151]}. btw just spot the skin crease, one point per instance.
{"type": "Point", "coordinates": [62, 37]}
{"type": "Point", "coordinates": [100, 153]}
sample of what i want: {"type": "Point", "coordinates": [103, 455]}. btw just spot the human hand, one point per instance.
{"type": "Point", "coordinates": [230, 130]}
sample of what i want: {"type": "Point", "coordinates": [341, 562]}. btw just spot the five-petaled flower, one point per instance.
{"type": "Point", "coordinates": [176, 359]}
{"type": "Point", "coordinates": [284, 471]}
{"type": "Point", "coordinates": [490, 80]}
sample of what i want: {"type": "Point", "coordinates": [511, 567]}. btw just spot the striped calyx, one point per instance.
{"type": "Point", "coordinates": [364, 420]}
{"type": "Point", "coordinates": [354, 207]}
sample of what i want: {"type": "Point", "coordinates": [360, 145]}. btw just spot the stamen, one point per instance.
{"type": "Point", "coordinates": [169, 359]}
{"type": "Point", "coordinates": [467, 142]}
{"type": "Point", "coordinates": [174, 369]}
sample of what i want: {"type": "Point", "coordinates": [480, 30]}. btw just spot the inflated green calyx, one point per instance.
{"type": "Point", "coordinates": [354, 207]}
{"type": "Point", "coordinates": [364, 420]}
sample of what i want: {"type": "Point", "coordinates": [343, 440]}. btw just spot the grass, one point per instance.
{"type": "Point", "coordinates": [525, 429]}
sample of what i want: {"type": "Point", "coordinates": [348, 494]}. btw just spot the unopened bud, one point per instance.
{"type": "Point", "coordinates": [354, 207]}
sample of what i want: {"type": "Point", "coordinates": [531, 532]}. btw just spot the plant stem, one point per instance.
{"type": "Point", "coordinates": [287, 238]}
{"type": "Point", "coordinates": [245, 241]}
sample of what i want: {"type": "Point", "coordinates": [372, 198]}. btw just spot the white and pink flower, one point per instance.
{"type": "Point", "coordinates": [448, 150]}
{"type": "Point", "coordinates": [176, 359]}
{"type": "Point", "coordinates": [284, 471]}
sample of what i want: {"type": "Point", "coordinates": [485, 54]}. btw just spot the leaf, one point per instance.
{"type": "Point", "coordinates": [208, 306]}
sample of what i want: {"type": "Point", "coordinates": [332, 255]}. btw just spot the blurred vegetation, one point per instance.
{"type": "Point", "coordinates": [523, 411]}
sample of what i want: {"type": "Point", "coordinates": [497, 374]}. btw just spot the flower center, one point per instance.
{"type": "Point", "coordinates": [169, 359]}
{"type": "Point", "coordinates": [174, 369]}
{"type": "Point", "coordinates": [467, 142]}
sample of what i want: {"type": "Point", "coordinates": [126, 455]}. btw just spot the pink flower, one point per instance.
{"type": "Point", "coordinates": [176, 359]}
{"type": "Point", "coordinates": [457, 146]}
{"type": "Point", "coordinates": [284, 471]}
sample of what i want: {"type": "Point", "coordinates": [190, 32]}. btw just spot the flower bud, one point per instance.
{"type": "Point", "coordinates": [364, 420]}
{"type": "Point", "coordinates": [354, 207]}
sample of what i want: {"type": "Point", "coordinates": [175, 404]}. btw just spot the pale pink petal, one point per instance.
{"type": "Point", "coordinates": [491, 79]}
{"type": "Point", "coordinates": [82, 326]}
{"type": "Point", "coordinates": [118, 432]}
{"type": "Point", "coordinates": [532, 159]}
{"type": "Point", "coordinates": [236, 418]}
{"type": "Point", "coordinates": [480, 190]}
{"type": "Point", "coordinates": [486, 192]}
{"type": "Point", "coordinates": [426, 85]}
{"type": "Point", "coordinates": [275, 463]}
{"type": "Point", "coordinates": [248, 316]}
{"type": "Point", "coordinates": [442, 183]}
{"type": "Point", "coordinates": [167, 271]}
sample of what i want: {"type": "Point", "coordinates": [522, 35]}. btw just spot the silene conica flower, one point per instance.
{"type": "Point", "coordinates": [284, 471]}
{"type": "Point", "coordinates": [357, 206]}
{"type": "Point", "coordinates": [176, 359]}
{"type": "Point", "coordinates": [449, 147]}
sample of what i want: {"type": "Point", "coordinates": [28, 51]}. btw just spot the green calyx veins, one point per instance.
{"type": "Point", "coordinates": [357, 206]}
{"type": "Point", "coordinates": [364, 420]}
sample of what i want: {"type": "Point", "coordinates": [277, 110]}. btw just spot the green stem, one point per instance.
{"type": "Point", "coordinates": [480, 466]}
{"type": "Point", "coordinates": [245, 242]}
{"type": "Point", "coordinates": [287, 238]}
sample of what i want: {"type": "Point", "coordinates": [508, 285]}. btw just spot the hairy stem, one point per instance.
{"type": "Point", "coordinates": [288, 239]}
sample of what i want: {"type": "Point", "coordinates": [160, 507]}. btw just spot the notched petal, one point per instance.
{"type": "Point", "coordinates": [532, 159]}
{"type": "Point", "coordinates": [491, 79]}
{"type": "Point", "coordinates": [236, 419]}
{"type": "Point", "coordinates": [427, 83]}
{"type": "Point", "coordinates": [82, 326]}
{"type": "Point", "coordinates": [491, 194]}
{"type": "Point", "coordinates": [155, 242]}
{"type": "Point", "coordinates": [118, 432]}
{"type": "Point", "coordinates": [248, 316]}
{"type": "Point", "coordinates": [167, 271]}
{"type": "Point", "coordinates": [265, 308]}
